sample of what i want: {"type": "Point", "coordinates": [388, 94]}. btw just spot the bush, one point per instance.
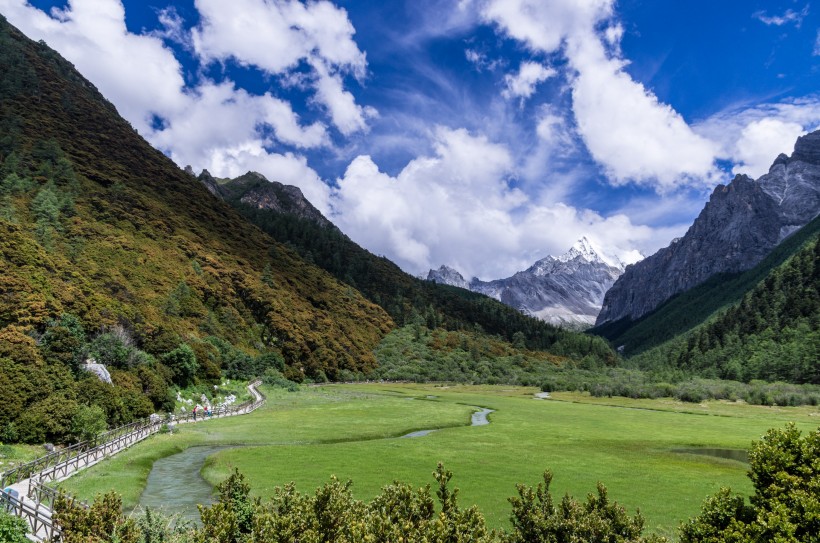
{"type": "Point", "coordinates": [785, 472]}
{"type": "Point", "coordinates": [182, 361]}
{"type": "Point", "coordinates": [88, 422]}
{"type": "Point", "coordinates": [536, 519]}
{"type": "Point", "coordinates": [12, 529]}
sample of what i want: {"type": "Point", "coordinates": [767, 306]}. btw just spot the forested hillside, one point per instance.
{"type": "Point", "coordinates": [109, 251]}
{"type": "Point", "coordinates": [773, 333]}
{"type": "Point", "coordinates": [407, 299]}
{"type": "Point", "coordinates": [691, 308]}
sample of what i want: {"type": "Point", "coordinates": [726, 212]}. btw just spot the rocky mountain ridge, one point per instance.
{"type": "Point", "coordinates": [566, 290]}
{"type": "Point", "coordinates": [742, 222]}
{"type": "Point", "coordinates": [255, 190]}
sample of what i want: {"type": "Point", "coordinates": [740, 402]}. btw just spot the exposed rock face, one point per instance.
{"type": "Point", "coordinates": [742, 222]}
{"type": "Point", "coordinates": [209, 181]}
{"type": "Point", "coordinates": [254, 189]}
{"type": "Point", "coordinates": [97, 369]}
{"type": "Point", "coordinates": [446, 275]}
{"type": "Point", "coordinates": [567, 290]}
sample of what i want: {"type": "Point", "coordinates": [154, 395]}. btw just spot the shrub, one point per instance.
{"type": "Point", "coordinates": [12, 529]}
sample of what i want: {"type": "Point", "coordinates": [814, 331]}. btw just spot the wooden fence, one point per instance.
{"type": "Point", "coordinates": [61, 464]}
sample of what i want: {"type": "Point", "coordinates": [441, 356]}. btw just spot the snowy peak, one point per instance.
{"type": "Point", "coordinates": [567, 290]}
{"type": "Point", "coordinates": [588, 251]}
{"type": "Point", "coordinates": [582, 248]}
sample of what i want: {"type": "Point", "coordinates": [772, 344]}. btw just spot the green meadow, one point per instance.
{"type": "Point", "coordinates": [351, 431]}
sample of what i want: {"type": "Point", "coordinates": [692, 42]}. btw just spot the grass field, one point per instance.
{"type": "Point", "coordinates": [343, 429]}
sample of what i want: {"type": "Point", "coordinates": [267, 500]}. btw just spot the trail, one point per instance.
{"type": "Point", "coordinates": [24, 490]}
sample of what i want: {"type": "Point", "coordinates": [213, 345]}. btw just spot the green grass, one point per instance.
{"type": "Point", "coordinates": [312, 415]}
{"type": "Point", "coordinates": [11, 455]}
{"type": "Point", "coordinates": [308, 436]}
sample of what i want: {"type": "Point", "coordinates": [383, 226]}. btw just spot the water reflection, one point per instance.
{"type": "Point", "coordinates": [740, 455]}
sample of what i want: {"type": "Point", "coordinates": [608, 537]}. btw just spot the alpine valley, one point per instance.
{"type": "Point", "coordinates": [140, 300]}
{"type": "Point", "coordinates": [110, 253]}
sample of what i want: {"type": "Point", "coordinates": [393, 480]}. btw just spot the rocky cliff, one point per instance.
{"type": "Point", "coordinates": [255, 190]}
{"type": "Point", "coordinates": [446, 275]}
{"type": "Point", "coordinates": [742, 222]}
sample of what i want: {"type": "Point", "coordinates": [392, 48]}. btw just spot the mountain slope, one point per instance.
{"type": "Point", "coordinates": [687, 310]}
{"type": "Point", "coordinates": [406, 298]}
{"type": "Point", "coordinates": [109, 229]}
{"type": "Point", "coordinates": [773, 333]}
{"type": "Point", "coordinates": [567, 290]}
{"type": "Point", "coordinates": [742, 222]}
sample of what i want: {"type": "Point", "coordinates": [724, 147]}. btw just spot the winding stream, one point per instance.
{"type": "Point", "coordinates": [176, 487]}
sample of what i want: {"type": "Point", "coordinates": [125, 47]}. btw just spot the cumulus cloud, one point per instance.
{"type": "Point", "coordinates": [522, 85]}
{"type": "Point", "coordinates": [543, 26]}
{"type": "Point", "coordinates": [760, 141]}
{"type": "Point", "coordinates": [347, 115]}
{"type": "Point", "coordinates": [277, 36]}
{"type": "Point", "coordinates": [627, 130]}
{"type": "Point", "coordinates": [752, 137]}
{"type": "Point", "coordinates": [789, 16]}
{"type": "Point", "coordinates": [137, 73]}
{"type": "Point", "coordinates": [458, 206]}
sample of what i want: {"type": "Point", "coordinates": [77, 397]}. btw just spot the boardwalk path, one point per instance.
{"type": "Point", "coordinates": [29, 481]}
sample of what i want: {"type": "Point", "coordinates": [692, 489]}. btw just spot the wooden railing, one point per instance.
{"type": "Point", "coordinates": [38, 518]}
{"type": "Point", "coordinates": [57, 465]}
{"type": "Point", "coordinates": [61, 464]}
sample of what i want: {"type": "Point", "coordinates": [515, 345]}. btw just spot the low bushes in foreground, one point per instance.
{"type": "Point", "coordinates": [784, 469]}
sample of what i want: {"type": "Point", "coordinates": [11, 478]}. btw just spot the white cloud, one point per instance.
{"type": "Point", "coordinates": [816, 51]}
{"type": "Point", "coordinates": [752, 137]}
{"type": "Point", "coordinates": [347, 116]}
{"type": "Point", "coordinates": [522, 85]}
{"type": "Point", "coordinates": [790, 16]}
{"type": "Point", "coordinates": [543, 26]}
{"type": "Point", "coordinates": [760, 142]}
{"type": "Point", "coordinates": [137, 73]}
{"type": "Point", "coordinates": [173, 27]}
{"type": "Point", "coordinates": [277, 36]}
{"type": "Point", "coordinates": [458, 207]}
{"type": "Point", "coordinates": [627, 130]}
{"type": "Point", "coordinates": [214, 126]}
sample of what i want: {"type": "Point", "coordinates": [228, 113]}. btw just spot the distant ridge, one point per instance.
{"type": "Point", "coordinates": [566, 290]}
{"type": "Point", "coordinates": [408, 299]}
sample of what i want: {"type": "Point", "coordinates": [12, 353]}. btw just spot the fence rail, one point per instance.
{"type": "Point", "coordinates": [61, 464]}
{"type": "Point", "coordinates": [38, 518]}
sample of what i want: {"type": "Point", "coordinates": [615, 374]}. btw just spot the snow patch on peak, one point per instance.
{"type": "Point", "coordinates": [591, 252]}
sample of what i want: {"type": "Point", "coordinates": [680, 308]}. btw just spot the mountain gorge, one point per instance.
{"type": "Point", "coordinates": [567, 290]}
{"type": "Point", "coordinates": [741, 224]}
{"type": "Point", "coordinates": [284, 213]}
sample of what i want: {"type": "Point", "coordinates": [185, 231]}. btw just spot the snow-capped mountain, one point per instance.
{"type": "Point", "coordinates": [566, 290]}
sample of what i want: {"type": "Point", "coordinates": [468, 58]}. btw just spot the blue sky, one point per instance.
{"type": "Point", "coordinates": [484, 134]}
